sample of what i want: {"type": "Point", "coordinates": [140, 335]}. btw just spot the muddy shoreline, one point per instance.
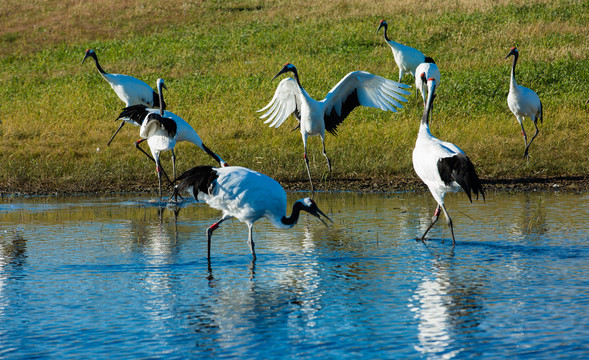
{"type": "Point", "coordinates": [556, 183]}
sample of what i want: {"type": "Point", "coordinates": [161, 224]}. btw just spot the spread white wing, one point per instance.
{"type": "Point", "coordinates": [286, 100]}
{"type": "Point", "coordinates": [360, 88]}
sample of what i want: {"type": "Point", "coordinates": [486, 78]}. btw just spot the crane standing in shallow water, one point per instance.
{"type": "Point", "coordinates": [358, 88]}
{"type": "Point", "coordinates": [130, 90]}
{"type": "Point", "coordinates": [162, 130]}
{"type": "Point", "coordinates": [442, 166]}
{"type": "Point", "coordinates": [244, 194]}
{"type": "Point", "coordinates": [523, 102]}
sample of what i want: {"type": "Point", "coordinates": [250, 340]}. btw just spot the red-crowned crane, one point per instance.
{"type": "Point", "coordinates": [162, 130]}
{"type": "Point", "coordinates": [358, 88]}
{"type": "Point", "coordinates": [130, 90]}
{"type": "Point", "coordinates": [406, 57]}
{"type": "Point", "coordinates": [427, 69]}
{"type": "Point", "coordinates": [442, 166]}
{"type": "Point", "coordinates": [243, 194]}
{"type": "Point", "coordinates": [523, 102]}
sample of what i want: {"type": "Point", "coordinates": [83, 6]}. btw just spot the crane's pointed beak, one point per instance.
{"type": "Point", "coordinates": [512, 52]}
{"type": "Point", "coordinates": [377, 30]}
{"type": "Point", "coordinates": [318, 213]}
{"type": "Point", "coordinates": [85, 56]}
{"type": "Point", "coordinates": [279, 73]}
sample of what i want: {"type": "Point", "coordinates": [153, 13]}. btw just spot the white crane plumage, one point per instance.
{"type": "Point", "coordinates": [244, 194]}
{"type": "Point", "coordinates": [427, 69]}
{"type": "Point", "coordinates": [406, 57]}
{"type": "Point", "coordinates": [358, 88]}
{"type": "Point", "coordinates": [130, 90]}
{"type": "Point", "coordinates": [162, 130]}
{"type": "Point", "coordinates": [442, 166]}
{"type": "Point", "coordinates": [523, 102]}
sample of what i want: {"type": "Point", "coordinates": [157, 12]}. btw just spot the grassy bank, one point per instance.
{"type": "Point", "coordinates": [218, 59]}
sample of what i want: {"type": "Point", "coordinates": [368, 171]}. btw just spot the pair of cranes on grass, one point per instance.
{"type": "Point", "coordinates": [249, 195]}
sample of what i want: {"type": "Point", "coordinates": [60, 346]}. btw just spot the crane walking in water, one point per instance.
{"type": "Point", "coordinates": [162, 130]}
{"type": "Point", "coordinates": [442, 166]}
{"type": "Point", "coordinates": [523, 102]}
{"type": "Point", "coordinates": [244, 194]}
{"type": "Point", "coordinates": [130, 90]}
{"type": "Point", "coordinates": [358, 88]}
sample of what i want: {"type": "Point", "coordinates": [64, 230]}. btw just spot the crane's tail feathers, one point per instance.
{"type": "Point", "coordinates": [201, 178]}
{"type": "Point", "coordinates": [460, 169]}
{"type": "Point", "coordinates": [542, 112]}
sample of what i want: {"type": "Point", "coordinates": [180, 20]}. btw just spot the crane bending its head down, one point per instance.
{"type": "Point", "coordinates": [246, 195]}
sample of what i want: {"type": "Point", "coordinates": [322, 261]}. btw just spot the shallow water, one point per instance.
{"type": "Point", "coordinates": [118, 277]}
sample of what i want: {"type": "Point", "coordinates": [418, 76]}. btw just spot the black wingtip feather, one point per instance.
{"type": "Point", "coordinates": [459, 168]}
{"type": "Point", "coordinates": [200, 178]}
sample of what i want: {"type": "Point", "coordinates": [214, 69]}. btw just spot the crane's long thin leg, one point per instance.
{"type": "Point", "coordinates": [400, 74]}
{"type": "Point", "coordinates": [159, 177]}
{"type": "Point", "coordinates": [325, 154]}
{"type": "Point", "coordinates": [250, 239]}
{"type": "Point", "coordinates": [520, 121]}
{"type": "Point", "coordinates": [174, 163]}
{"type": "Point", "coordinates": [307, 164]}
{"type": "Point", "coordinates": [434, 219]}
{"type": "Point", "coordinates": [449, 221]}
{"type": "Point", "coordinates": [210, 234]}
{"type": "Point", "coordinates": [152, 159]}
{"type": "Point", "coordinates": [530, 143]}
{"type": "Point", "coordinates": [115, 134]}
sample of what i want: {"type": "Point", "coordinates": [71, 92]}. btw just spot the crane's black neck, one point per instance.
{"type": "Point", "coordinates": [211, 154]}
{"type": "Point", "coordinates": [161, 98]}
{"type": "Point", "coordinates": [296, 77]}
{"type": "Point", "coordinates": [426, 111]}
{"type": "Point", "coordinates": [100, 70]}
{"type": "Point", "coordinates": [515, 56]}
{"type": "Point", "coordinates": [386, 27]}
{"type": "Point", "coordinates": [294, 216]}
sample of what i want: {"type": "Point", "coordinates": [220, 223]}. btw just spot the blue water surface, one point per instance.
{"type": "Point", "coordinates": [123, 278]}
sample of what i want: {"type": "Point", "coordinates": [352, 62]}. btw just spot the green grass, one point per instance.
{"type": "Point", "coordinates": [218, 59]}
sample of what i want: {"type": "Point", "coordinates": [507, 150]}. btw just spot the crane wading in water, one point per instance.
{"type": "Point", "coordinates": [162, 130]}
{"type": "Point", "coordinates": [246, 195]}
{"type": "Point", "coordinates": [442, 166]}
